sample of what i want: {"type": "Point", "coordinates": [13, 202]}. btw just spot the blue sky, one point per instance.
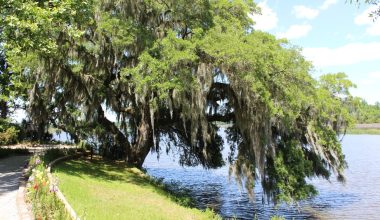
{"type": "Point", "coordinates": [336, 36]}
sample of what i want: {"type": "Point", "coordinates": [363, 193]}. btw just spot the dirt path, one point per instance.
{"type": "Point", "coordinates": [10, 173]}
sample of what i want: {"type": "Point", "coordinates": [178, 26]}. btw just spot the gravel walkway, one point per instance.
{"type": "Point", "coordinates": [10, 173]}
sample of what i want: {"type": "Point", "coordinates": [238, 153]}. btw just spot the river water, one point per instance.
{"type": "Point", "coordinates": [358, 198]}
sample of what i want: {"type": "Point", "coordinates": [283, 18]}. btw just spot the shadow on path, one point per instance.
{"type": "Point", "coordinates": [10, 173]}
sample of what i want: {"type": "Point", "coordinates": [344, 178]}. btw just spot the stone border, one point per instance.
{"type": "Point", "coordinates": [37, 148]}
{"type": "Point", "coordinates": [59, 194]}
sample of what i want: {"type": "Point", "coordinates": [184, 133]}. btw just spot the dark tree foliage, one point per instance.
{"type": "Point", "coordinates": [5, 85]}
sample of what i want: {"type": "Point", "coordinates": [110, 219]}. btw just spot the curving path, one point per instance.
{"type": "Point", "coordinates": [10, 173]}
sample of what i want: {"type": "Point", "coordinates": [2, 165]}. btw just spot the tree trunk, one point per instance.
{"type": "Point", "coordinates": [120, 138]}
{"type": "Point", "coordinates": [4, 109]}
{"type": "Point", "coordinates": [136, 154]}
{"type": "Point", "coordinates": [41, 132]}
{"type": "Point", "coordinates": [144, 141]}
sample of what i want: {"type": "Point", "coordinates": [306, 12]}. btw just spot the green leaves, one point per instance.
{"type": "Point", "coordinates": [120, 31]}
{"type": "Point", "coordinates": [337, 84]}
{"type": "Point", "coordinates": [35, 27]}
{"type": "Point", "coordinates": [287, 174]}
{"type": "Point", "coordinates": [364, 112]}
{"type": "Point", "coordinates": [165, 66]}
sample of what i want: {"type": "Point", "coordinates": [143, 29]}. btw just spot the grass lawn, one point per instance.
{"type": "Point", "coordinates": [100, 190]}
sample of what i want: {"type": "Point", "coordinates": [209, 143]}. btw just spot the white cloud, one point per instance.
{"type": "Point", "coordinates": [346, 55]}
{"type": "Point", "coordinates": [365, 82]}
{"type": "Point", "coordinates": [367, 91]}
{"type": "Point", "coordinates": [301, 11]}
{"type": "Point", "coordinates": [267, 20]}
{"type": "Point", "coordinates": [372, 78]}
{"type": "Point", "coordinates": [374, 29]}
{"type": "Point", "coordinates": [327, 3]}
{"type": "Point", "coordinates": [374, 75]}
{"type": "Point", "coordinates": [296, 31]}
{"type": "Point", "coordinates": [364, 19]}
{"type": "Point", "coordinates": [368, 87]}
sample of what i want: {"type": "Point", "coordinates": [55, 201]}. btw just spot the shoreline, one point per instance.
{"type": "Point", "coordinates": [371, 129]}
{"type": "Point", "coordinates": [368, 126]}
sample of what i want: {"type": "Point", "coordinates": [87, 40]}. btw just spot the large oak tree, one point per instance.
{"type": "Point", "coordinates": [172, 70]}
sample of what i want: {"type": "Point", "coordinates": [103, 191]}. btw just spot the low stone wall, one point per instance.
{"type": "Point", "coordinates": [39, 147]}
{"type": "Point", "coordinates": [59, 194]}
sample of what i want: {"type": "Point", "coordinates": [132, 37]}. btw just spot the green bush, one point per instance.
{"type": "Point", "coordinates": [9, 136]}
{"type": "Point", "coordinates": [52, 154]}
{"type": "Point", "coordinates": [9, 133]}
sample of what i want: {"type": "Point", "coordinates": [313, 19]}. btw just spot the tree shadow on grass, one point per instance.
{"type": "Point", "coordinates": [102, 170]}
{"type": "Point", "coordinates": [112, 171]}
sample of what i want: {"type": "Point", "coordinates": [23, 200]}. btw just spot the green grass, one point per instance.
{"type": "Point", "coordinates": [373, 131]}
{"type": "Point", "coordinates": [100, 190]}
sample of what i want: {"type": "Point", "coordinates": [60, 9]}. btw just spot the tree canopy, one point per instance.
{"type": "Point", "coordinates": [172, 70]}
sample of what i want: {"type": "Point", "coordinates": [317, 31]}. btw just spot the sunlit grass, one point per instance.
{"type": "Point", "coordinates": [99, 190]}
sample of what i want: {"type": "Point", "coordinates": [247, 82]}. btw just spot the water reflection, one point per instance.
{"type": "Point", "coordinates": [359, 198]}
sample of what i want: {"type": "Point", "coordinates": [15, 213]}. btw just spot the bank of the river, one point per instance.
{"type": "Point", "coordinates": [358, 198]}
{"type": "Point", "coordinates": [100, 190]}
{"type": "Point", "coordinates": [365, 129]}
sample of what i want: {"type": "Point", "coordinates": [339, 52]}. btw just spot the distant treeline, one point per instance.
{"type": "Point", "coordinates": [367, 113]}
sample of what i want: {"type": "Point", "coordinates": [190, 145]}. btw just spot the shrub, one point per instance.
{"type": "Point", "coordinates": [54, 153]}
{"type": "Point", "coordinates": [9, 136]}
